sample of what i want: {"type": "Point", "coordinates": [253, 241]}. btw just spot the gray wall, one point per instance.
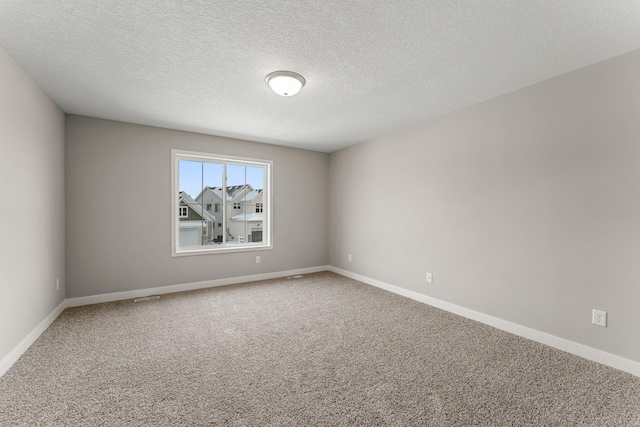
{"type": "Point", "coordinates": [32, 214]}
{"type": "Point", "coordinates": [525, 207]}
{"type": "Point", "coordinates": [118, 208]}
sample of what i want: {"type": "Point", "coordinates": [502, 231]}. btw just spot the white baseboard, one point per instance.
{"type": "Point", "coordinates": [27, 341]}
{"type": "Point", "coordinates": [572, 347]}
{"type": "Point", "coordinates": [118, 296]}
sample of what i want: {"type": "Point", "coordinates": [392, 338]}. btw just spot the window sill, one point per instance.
{"type": "Point", "coordinates": [219, 249]}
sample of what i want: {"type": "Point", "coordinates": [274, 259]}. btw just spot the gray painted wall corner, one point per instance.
{"type": "Point", "coordinates": [32, 223]}
{"type": "Point", "coordinates": [524, 207]}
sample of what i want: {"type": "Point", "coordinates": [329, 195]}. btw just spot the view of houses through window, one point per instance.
{"type": "Point", "coordinates": [212, 216]}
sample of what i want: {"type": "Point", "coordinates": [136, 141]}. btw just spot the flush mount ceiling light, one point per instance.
{"type": "Point", "coordinates": [285, 83]}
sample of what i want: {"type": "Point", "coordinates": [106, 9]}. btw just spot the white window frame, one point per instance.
{"type": "Point", "coordinates": [267, 234]}
{"type": "Point", "coordinates": [186, 211]}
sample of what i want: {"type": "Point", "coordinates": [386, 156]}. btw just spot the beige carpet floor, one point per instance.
{"type": "Point", "coordinates": [322, 350]}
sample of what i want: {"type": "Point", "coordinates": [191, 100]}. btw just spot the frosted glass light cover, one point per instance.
{"type": "Point", "coordinates": [285, 83]}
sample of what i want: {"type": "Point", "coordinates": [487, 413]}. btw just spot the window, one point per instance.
{"type": "Point", "coordinates": [197, 187]}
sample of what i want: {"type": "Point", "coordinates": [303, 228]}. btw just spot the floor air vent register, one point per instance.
{"type": "Point", "coordinates": [149, 298]}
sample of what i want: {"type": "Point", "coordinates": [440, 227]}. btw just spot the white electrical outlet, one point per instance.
{"type": "Point", "coordinates": [599, 317]}
{"type": "Point", "coordinates": [57, 284]}
{"type": "Point", "coordinates": [429, 278]}
{"type": "Point", "coordinates": [349, 257]}
{"type": "Point", "coordinates": [258, 259]}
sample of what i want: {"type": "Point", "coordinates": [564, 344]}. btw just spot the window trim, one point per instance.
{"type": "Point", "coordinates": [266, 244]}
{"type": "Point", "coordinates": [186, 211]}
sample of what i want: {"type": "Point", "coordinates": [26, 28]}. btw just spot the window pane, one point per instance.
{"type": "Point", "coordinates": [255, 221]}
{"type": "Point", "coordinates": [236, 222]}
{"type": "Point", "coordinates": [210, 201]}
{"type": "Point", "coordinates": [190, 177]}
{"type": "Point", "coordinates": [208, 222]}
{"type": "Point", "coordinates": [190, 233]}
{"type": "Point", "coordinates": [197, 183]}
{"type": "Point", "coordinates": [255, 177]}
{"type": "Point", "coordinates": [212, 175]}
{"type": "Point", "coordinates": [246, 227]}
{"type": "Point", "coordinates": [245, 189]}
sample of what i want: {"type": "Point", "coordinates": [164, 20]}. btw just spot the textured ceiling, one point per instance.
{"type": "Point", "coordinates": [371, 66]}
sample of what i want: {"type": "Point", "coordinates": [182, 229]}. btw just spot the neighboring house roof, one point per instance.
{"type": "Point", "coordinates": [187, 200]}
{"type": "Point", "coordinates": [233, 191]}
{"type": "Point", "coordinates": [248, 217]}
{"type": "Point", "coordinates": [252, 195]}
{"type": "Point", "coordinates": [217, 191]}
